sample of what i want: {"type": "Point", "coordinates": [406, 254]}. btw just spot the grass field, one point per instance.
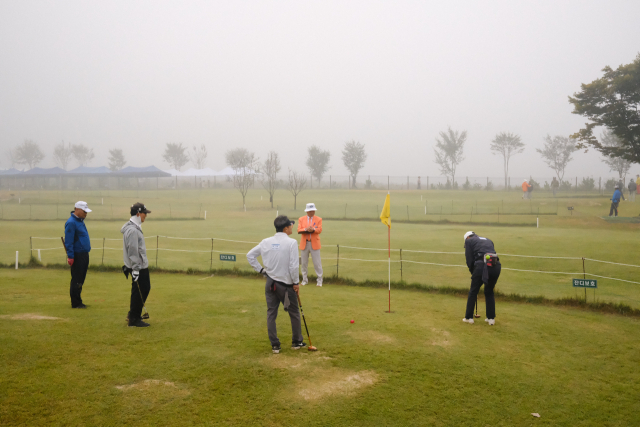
{"type": "Point", "coordinates": [206, 358]}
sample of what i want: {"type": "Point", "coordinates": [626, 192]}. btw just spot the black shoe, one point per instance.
{"type": "Point", "coordinates": [138, 324]}
{"type": "Point", "coordinates": [298, 345]}
{"type": "Point", "coordinates": [80, 306]}
{"type": "Point", "coordinates": [275, 349]}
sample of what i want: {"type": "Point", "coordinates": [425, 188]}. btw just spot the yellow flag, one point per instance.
{"type": "Point", "coordinates": [385, 216]}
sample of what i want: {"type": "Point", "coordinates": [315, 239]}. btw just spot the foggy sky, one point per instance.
{"type": "Point", "coordinates": [286, 75]}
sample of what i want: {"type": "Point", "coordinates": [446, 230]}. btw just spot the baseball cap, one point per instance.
{"type": "Point", "coordinates": [282, 221]}
{"type": "Point", "coordinates": [467, 234]}
{"type": "Point", "coordinates": [83, 205]}
{"type": "Point", "coordinates": [310, 207]}
{"type": "Point", "coordinates": [139, 207]}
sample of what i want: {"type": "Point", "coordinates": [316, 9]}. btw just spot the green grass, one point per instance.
{"type": "Point", "coordinates": [418, 366]}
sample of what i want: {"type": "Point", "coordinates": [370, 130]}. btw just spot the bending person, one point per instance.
{"type": "Point", "coordinates": [484, 266]}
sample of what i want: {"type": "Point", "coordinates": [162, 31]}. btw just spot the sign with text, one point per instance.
{"type": "Point", "coordinates": [225, 257]}
{"type": "Point", "coordinates": [581, 283]}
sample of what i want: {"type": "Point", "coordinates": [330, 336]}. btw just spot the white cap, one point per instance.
{"type": "Point", "coordinates": [467, 234]}
{"type": "Point", "coordinates": [311, 207]}
{"type": "Point", "coordinates": [526, 181]}
{"type": "Point", "coordinates": [83, 205]}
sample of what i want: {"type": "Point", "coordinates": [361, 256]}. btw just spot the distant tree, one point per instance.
{"type": "Point", "coordinates": [617, 164]}
{"type": "Point", "coordinates": [245, 165]}
{"type": "Point", "coordinates": [318, 162]}
{"type": "Point", "coordinates": [353, 157]}
{"type": "Point", "coordinates": [508, 145]}
{"type": "Point", "coordinates": [82, 154]}
{"type": "Point", "coordinates": [28, 153]}
{"type": "Point", "coordinates": [62, 155]}
{"type": "Point", "coordinates": [449, 149]}
{"type": "Point", "coordinates": [116, 159]}
{"type": "Point", "coordinates": [612, 101]}
{"type": "Point", "coordinates": [11, 157]}
{"type": "Point", "coordinates": [270, 169]}
{"type": "Point", "coordinates": [557, 153]}
{"type": "Point", "coordinates": [174, 154]}
{"type": "Point", "coordinates": [198, 156]}
{"type": "Point", "coordinates": [297, 183]}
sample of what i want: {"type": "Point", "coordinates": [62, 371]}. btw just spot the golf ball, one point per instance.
{"type": "Point", "coordinates": [352, 321]}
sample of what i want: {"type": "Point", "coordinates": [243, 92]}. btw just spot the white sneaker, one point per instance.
{"type": "Point", "coordinates": [319, 284]}
{"type": "Point", "coordinates": [470, 321]}
{"type": "Point", "coordinates": [491, 322]}
{"type": "Point", "coordinates": [303, 283]}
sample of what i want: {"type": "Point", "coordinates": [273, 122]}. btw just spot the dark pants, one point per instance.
{"type": "Point", "coordinates": [614, 208]}
{"type": "Point", "coordinates": [274, 298]}
{"type": "Point", "coordinates": [476, 282]}
{"type": "Point", "coordinates": [78, 274]}
{"type": "Point", "coordinates": [135, 308]}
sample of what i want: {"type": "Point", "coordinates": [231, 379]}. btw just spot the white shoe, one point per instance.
{"type": "Point", "coordinates": [470, 321]}
{"type": "Point", "coordinates": [319, 284]}
{"type": "Point", "coordinates": [491, 322]}
{"type": "Point", "coordinates": [303, 283]}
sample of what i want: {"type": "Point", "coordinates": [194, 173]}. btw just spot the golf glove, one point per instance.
{"type": "Point", "coordinates": [70, 261]}
{"type": "Point", "coordinates": [264, 273]}
{"type": "Point", "coordinates": [135, 274]}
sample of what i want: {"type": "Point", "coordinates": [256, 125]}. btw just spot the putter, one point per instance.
{"type": "Point", "coordinates": [311, 348]}
{"type": "Point", "coordinates": [476, 315]}
{"type": "Point", "coordinates": [146, 313]}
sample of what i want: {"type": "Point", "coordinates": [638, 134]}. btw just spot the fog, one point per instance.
{"type": "Point", "coordinates": [286, 75]}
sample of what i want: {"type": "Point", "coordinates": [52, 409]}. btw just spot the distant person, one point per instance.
{"type": "Point", "coordinates": [136, 262]}
{"type": "Point", "coordinates": [633, 187]}
{"type": "Point", "coordinates": [615, 200]}
{"type": "Point", "coordinates": [621, 187]}
{"type": "Point", "coordinates": [78, 246]}
{"type": "Point", "coordinates": [525, 190]}
{"type": "Point", "coordinates": [310, 227]}
{"type": "Point", "coordinates": [280, 258]}
{"type": "Point", "coordinates": [484, 266]}
{"type": "Point", "coordinates": [554, 186]}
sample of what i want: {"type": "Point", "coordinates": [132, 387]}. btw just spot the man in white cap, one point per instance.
{"type": "Point", "coordinates": [310, 227]}
{"type": "Point", "coordinates": [78, 246]}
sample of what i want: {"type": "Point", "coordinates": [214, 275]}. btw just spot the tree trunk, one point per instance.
{"type": "Point", "coordinates": [295, 201]}
{"type": "Point", "coordinates": [271, 200]}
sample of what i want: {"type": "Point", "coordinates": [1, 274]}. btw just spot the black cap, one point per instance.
{"type": "Point", "coordinates": [139, 208]}
{"type": "Point", "coordinates": [282, 222]}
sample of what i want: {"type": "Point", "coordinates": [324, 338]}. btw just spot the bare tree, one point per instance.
{"type": "Point", "coordinates": [28, 153]}
{"type": "Point", "coordinates": [116, 159]}
{"type": "Point", "coordinates": [618, 164]}
{"type": "Point", "coordinates": [270, 170]}
{"type": "Point", "coordinates": [174, 154]}
{"type": "Point", "coordinates": [353, 157]}
{"type": "Point", "coordinates": [198, 156]}
{"type": "Point", "coordinates": [449, 150]}
{"type": "Point", "coordinates": [297, 183]}
{"type": "Point", "coordinates": [557, 153]}
{"type": "Point", "coordinates": [508, 145]}
{"type": "Point", "coordinates": [82, 154]}
{"type": "Point", "coordinates": [62, 155]}
{"type": "Point", "coordinates": [245, 165]}
{"type": "Point", "coordinates": [318, 162]}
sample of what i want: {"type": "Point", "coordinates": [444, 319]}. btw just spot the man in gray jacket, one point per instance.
{"type": "Point", "coordinates": [135, 261]}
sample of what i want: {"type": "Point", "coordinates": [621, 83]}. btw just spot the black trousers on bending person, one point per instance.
{"type": "Point", "coordinates": [476, 283]}
{"type": "Point", "coordinates": [135, 307]}
{"type": "Point", "coordinates": [78, 274]}
{"type": "Point", "coordinates": [614, 208]}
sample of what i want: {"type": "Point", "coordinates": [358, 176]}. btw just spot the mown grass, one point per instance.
{"type": "Point", "coordinates": [418, 366]}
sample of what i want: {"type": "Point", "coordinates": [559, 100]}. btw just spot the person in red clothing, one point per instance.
{"type": "Point", "coordinates": [525, 190]}
{"type": "Point", "coordinates": [310, 227]}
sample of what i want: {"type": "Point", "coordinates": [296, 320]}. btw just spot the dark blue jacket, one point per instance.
{"type": "Point", "coordinates": [616, 196]}
{"type": "Point", "coordinates": [76, 236]}
{"type": "Point", "coordinates": [475, 247]}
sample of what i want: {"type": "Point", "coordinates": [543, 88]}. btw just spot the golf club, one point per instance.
{"type": "Point", "coordinates": [311, 348]}
{"type": "Point", "coordinates": [476, 315]}
{"type": "Point", "coordinates": [146, 313]}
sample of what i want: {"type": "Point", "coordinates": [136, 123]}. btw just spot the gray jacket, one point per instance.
{"type": "Point", "coordinates": [134, 248]}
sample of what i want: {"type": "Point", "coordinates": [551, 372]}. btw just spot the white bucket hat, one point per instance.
{"type": "Point", "coordinates": [311, 207]}
{"type": "Point", "coordinates": [83, 205]}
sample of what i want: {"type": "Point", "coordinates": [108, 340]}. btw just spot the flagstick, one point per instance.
{"type": "Point", "coordinates": [389, 269]}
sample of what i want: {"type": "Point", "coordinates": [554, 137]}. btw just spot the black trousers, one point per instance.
{"type": "Point", "coordinates": [614, 207]}
{"type": "Point", "coordinates": [135, 307]}
{"type": "Point", "coordinates": [78, 274]}
{"type": "Point", "coordinates": [476, 283]}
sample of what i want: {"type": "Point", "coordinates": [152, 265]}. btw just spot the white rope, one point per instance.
{"type": "Point", "coordinates": [542, 257]}
{"type": "Point", "coordinates": [368, 260]}
{"type": "Point", "coordinates": [538, 271]}
{"type": "Point", "coordinates": [209, 238]}
{"type": "Point", "coordinates": [48, 249]}
{"type": "Point", "coordinates": [433, 263]}
{"type": "Point", "coordinates": [368, 249]}
{"type": "Point", "coordinates": [429, 252]}
{"type": "Point", "coordinates": [613, 278]}
{"type": "Point", "coordinates": [185, 250]}
{"type": "Point", "coordinates": [614, 263]}
{"type": "Point", "coordinates": [46, 238]}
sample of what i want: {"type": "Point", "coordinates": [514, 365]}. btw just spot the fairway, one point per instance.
{"type": "Point", "coordinates": [206, 359]}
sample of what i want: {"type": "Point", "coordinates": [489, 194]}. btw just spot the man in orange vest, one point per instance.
{"type": "Point", "coordinates": [526, 192]}
{"type": "Point", "coordinates": [310, 227]}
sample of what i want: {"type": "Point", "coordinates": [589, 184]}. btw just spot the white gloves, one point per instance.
{"type": "Point", "coordinates": [135, 274]}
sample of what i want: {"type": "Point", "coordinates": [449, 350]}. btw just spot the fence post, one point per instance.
{"type": "Point", "coordinates": [157, 250]}
{"type": "Point", "coordinates": [39, 256]}
{"type": "Point", "coordinates": [103, 239]}
{"type": "Point", "coordinates": [401, 265]}
{"type": "Point", "coordinates": [16, 260]}
{"type": "Point", "coordinates": [31, 244]}
{"type": "Point", "coordinates": [337, 262]}
{"type": "Point", "coordinates": [211, 263]}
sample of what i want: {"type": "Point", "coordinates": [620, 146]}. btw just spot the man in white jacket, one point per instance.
{"type": "Point", "coordinates": [136, 262]}
{"type": "Point", "coordinates": [280, 258]}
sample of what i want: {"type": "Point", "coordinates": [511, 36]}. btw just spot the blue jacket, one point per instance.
{"type": "Point", "coordinates": [76, 236]}
{"type": "Point", "coordinates": [616, 196]}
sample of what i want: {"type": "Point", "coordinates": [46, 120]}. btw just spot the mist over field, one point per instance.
{"type": "Point", "coordinates": [284, 76]}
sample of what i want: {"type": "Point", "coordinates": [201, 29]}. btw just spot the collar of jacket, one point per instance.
{"type": "Point", "coordinates": [73, 215]}
{"type": "Point", "coordinates": [136, 221]}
